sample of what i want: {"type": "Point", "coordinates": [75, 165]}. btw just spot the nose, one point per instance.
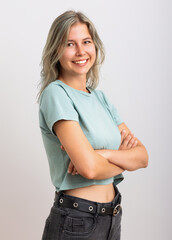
{"type": "Point", "coordinates": [80, 50]}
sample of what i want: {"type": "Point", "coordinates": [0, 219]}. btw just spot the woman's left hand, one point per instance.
{"type": "Point", "coordinates": [127, 141]}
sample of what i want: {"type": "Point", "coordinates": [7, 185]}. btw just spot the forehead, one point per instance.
{"type": "Point", "coordinates": [78, 31]}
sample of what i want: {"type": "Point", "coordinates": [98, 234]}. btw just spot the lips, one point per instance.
{"type": "Point", "coordinates": [81, 62]}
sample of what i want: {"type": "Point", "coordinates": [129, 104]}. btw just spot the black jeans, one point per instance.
{"type": "Point", "coordinates": [68, 223]}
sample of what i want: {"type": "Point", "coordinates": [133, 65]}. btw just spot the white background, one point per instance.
{"type": "Point", "coordinates": [136, 77]}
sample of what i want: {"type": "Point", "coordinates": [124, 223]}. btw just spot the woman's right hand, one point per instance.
{"type": "Point", "coordinates": [71, 168]}
{"type": "Point", "coordinates": [128, 141]}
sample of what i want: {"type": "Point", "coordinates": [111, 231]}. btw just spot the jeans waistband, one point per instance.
{"type": "Point", "coordinates": [111, 208]}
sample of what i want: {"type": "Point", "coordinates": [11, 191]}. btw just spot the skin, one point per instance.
{"type": "Point", "coordinates": [80, 47]}
{"type": "Point", "coordinates": [95, 164]}
{"type": "Point", "coordinates": [128, 141]}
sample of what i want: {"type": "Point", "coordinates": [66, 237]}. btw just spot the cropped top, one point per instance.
{"type": "Point", "coordinates": [98, 119]}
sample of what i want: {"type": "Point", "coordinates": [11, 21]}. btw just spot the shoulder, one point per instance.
{"type": "Point", "coordinates": [99, 93]}
{"type": "Point", "coordinates": [53, 87]}
{"type": "Point", "coordinates": [53, 90]}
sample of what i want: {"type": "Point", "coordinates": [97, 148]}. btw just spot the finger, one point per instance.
{"type": "Point", "coordinates": [123, 133]}
{"type": "Point", "coordinates": [62, 148]}
{"type": "Point", "coordinates": [135, 143]}
{"type": "Point", "coordinates": [131, 142]}
{"type": "Point", "coordinates": [74, 171]}
{"type": "Point", "coordinates": [126, 140]}
{"type": "Point", "coordinates": [70, 167]}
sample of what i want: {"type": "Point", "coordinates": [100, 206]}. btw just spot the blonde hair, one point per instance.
{"type": "Point", "coordinates": [56, 43]}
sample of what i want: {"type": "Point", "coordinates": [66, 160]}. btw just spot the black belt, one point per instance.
{"type": "Point", "coordinates": [64, 201]}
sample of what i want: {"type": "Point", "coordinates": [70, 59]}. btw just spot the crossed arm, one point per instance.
{"type": "Point", "coordinates": [100, 164]}
{"type": "Point", "coordinates": [130, 156]}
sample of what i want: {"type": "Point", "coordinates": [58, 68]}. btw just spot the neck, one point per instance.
{"type": "Point", "coordinates": [78, 83]}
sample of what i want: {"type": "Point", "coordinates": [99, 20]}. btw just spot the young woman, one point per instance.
{"type": "Point", "coordinates": [88, 146]}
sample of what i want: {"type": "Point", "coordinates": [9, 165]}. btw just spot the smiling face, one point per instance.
{"type": "Point", "coordinates": [79, 55]}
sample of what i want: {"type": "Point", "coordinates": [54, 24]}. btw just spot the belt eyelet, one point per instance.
{"type": "Point", "coordinates": [61, 200]}
{"type": "Point", "coordinates": [75, 205]}
{"type": "Point", "coordinates": [90, 208]}
{"type": "Point", "coordinates": [103, 210]}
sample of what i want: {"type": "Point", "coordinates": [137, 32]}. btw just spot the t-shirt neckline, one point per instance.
{"type": "Point", "coordinates": [79, 91]}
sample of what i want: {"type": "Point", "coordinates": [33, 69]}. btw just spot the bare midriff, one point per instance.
{"type": "Point", "coordinates": [96, 193]}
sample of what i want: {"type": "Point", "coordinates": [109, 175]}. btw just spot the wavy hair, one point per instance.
{"type": "Point", "coordinates": [56, 43]}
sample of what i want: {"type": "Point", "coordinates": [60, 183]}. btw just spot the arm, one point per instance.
{"type": "Point", "coordinates": [130, 159]}
{"type": "Point", "coordinates": [87, 162]}
{"type": "Point", "coordinates": [127, 142]}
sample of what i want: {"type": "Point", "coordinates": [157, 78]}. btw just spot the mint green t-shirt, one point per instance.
{"type": "Point", "coordinates": [98, 119]}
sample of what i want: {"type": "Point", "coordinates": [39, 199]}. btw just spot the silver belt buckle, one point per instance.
{"type": "Point", "coordinates": [116, 210]}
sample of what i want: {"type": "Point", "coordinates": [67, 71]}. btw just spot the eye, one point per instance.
{"type": "Point", "coordinates": [87, 42]}
{"type": "Point", "coordinates": [70, 44]}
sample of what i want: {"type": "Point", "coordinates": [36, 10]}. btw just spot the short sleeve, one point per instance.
{"type": "Point", "coordinates": [112, 109]}
{"type": "Point", "coordinates": [55, 105]}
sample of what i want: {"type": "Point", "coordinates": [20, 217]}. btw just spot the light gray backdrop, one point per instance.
{"type": "Point", "coordinates": [137, 78]}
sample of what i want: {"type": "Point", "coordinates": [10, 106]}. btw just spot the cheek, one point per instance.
{"type": "Point", "coordinates": [92, 52]}
{"type": "Point", "coordinates": [67, 56]}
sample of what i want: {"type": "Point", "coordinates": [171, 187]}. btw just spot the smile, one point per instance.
{"type": "Point", "coordinates": [81, 62]}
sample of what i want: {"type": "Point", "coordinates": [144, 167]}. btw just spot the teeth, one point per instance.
{"type": "Point", "coordinates": [79, 62]}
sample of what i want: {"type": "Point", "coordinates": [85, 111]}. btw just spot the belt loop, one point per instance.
{"type": "Point", "coordinates": [97, 209]}
{"type": "Point", "coordinates": [56, 198]}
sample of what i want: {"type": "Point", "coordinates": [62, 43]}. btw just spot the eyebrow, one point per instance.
{"type": "Point", "coordinates": [82, 39]}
